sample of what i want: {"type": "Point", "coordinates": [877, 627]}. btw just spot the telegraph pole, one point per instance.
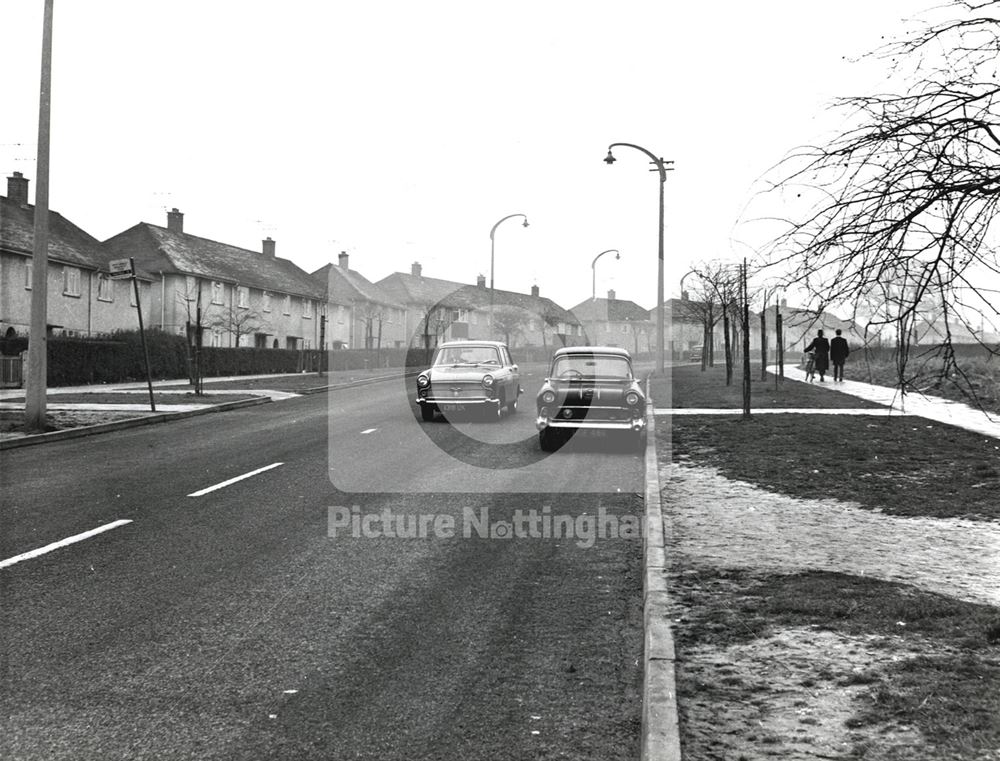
{"type": "Point", "coordinates": [37, 380]}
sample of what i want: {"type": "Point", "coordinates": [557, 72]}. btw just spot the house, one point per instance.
{"type": "Point", "coordinates": [242, 297]}
{"type": "Point", "coordinates": [616, 322]}
{"type": "Point", "coordinates": [82, 299]}
{"type": "Point", "coordinates": [362, 316]}
{"type": "Point", "coordinates": [441, 310]}
{"type": "Point", "coordinates": [684, 321]}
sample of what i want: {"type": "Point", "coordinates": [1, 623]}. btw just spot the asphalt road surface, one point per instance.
{"type": "Point", "coordinates": [282, 615]}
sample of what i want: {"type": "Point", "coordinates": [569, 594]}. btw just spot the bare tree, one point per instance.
{"type": "Point", "coordinates": [238, 321]}
{"type": "Point", "coordinates": [896, 212]}
{"type": "Point", "coordinates": [510, 321]}
{"type": "Point", "coordinates": [719, 288]}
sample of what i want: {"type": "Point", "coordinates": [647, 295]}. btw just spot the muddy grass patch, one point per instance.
{"type": "Point", "coordinates": [816, 663]}
{"type": "Point", "coordinates": [900, 465]}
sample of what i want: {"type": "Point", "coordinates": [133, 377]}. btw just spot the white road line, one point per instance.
{"type": "Point", "coordinates": [368, 430]}
{"type": "Point", "coordinates": [224, 484]}
{"type": "Point", "coordinates": [63, 543]}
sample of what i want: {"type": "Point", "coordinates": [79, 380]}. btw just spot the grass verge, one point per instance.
{"type": "Point", "coordinates": [936, 668]}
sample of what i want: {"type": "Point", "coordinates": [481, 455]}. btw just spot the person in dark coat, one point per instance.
{"type": "Point", "coordinates": [821, 347]}
{"type": "Point", "coordinates": [838, 355]}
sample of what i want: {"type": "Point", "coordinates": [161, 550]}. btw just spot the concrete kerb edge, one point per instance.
{"type": "Point", "coordinates": [118, 425]}
{"type": "Point", "coordinates": [660, 733]}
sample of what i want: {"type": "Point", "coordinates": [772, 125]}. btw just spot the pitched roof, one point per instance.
{"type": "Point", "coordinates": [157, 249]}
{"type": "Point", "coordinates": [347, 286]}
{"type": "Point", "coordinates": [613, 310]}
{"type": "Point", "coordinates": [67, 243]}
{"type": "Point", "coordinates": [417, 289]}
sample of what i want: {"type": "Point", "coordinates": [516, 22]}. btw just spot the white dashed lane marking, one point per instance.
{"type": "Point", "coordinates": [231, 481]}
{"type": "Point", "coordinates": [63, 543]}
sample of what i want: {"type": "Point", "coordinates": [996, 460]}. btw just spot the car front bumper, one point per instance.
{"type": "Point", "coordinates": [441, 401]}
{"type": "Point", "coordinates": [634, 424]}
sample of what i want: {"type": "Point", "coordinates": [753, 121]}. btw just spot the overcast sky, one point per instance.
{"type": "Point", "coordinates": [403, 131]}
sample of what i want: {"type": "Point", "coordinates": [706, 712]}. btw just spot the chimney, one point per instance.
{"type": "Point", "coordinates": [175, 221]}
{"type": "Point", "coordinates": [343, 259]}
{"type": "Point", "coordinates": [685, 296]}
{"type": "Point", "coordinates": [481, 281]}
{"type": "Point", "coordinates": [534, 291]}
{"type": "Point", "coordinates": [784, 303]}
{"type": "Point", "coordinates": [415, 269]}
{"type": "Point", "coordinates": [267, 246]}
{"type": "Point", "coordinates": [17, 189]}
{"type": "Point", "coordinates": [611, 295]}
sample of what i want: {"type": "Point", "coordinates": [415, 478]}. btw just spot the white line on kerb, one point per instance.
{"type": "Point", "coordinates": [224, 484]}
{"type": "Point", "coordinates": [63, 543]}
{"type": "Point", "coordinates": [368, 430]}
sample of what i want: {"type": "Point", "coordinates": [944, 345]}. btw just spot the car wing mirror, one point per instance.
{"type": "Point", "coordinates": [515, 368]}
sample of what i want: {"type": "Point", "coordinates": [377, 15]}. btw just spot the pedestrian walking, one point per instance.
{"type": "Point", "coordinates": [810, 359]}
{"type": "Point", "coordinates": [821, 347]}
{"type": "Point", "coordinates": [839, 350]}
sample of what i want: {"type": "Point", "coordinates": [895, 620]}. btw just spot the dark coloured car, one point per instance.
{"type": "Point", "coordinates": [469, 377]}
{"type": "Point", "coordinates": [590, 388]}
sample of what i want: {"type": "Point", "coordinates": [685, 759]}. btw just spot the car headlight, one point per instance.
{"type": "Point", "coordinates": [548, 397]}
{"type": "Point", "coordinates": [631, 398]}
{"type": "Point", "coordinates": [487, 381]}
{"type": "Point", "coordinates": [423, 381]}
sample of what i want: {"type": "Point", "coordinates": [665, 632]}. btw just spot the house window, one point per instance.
{"type": "Point", "coordinates": [625, 327]}
{"type": "Point", "coordinates": [243, 297]}
{"type": "Point", "coordinates": [286, 307]}
{"type": "Point", "coordinates": [340, 314]}
{"type": "Point", "coordinates": [216, 337]}
{"type": "Point", "coordinates": [265, 302]}
{"type": "Point", "coordinates": [218, 290]}
{"type": "Point", "coordinates": [71, 281]}
{"type": "Point", "coordinates": [307, 309]}
{"type": "Point", "coordinates": [28, 274]}
{"type": "Point", "coordinates": [105, 287]}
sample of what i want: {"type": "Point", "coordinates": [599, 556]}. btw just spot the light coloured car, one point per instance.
{"type": "Point", "coordinates": [590, 387]}
{"type": "Point", "coordinates": [469, 376]}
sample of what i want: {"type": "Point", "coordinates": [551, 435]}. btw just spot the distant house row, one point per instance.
{"type": "Point", "coordinates": [241, 297]}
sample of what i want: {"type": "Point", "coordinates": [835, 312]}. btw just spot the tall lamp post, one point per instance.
{"type": "Point", "coordinates": [492, 252]}
{"type": "Point", "coordinates": [593, 281]}
{"type": "Point", "coordinates": [662, 168]}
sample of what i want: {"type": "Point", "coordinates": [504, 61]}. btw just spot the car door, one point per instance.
{"type": "Point", "coordinates": [515, 378]}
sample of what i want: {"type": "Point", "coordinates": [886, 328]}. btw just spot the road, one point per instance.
{"type": "Point", "coordinates": [247, 623]}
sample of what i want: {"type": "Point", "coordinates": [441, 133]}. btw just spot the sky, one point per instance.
{"type": "Point", "coordinates": [402, 132]}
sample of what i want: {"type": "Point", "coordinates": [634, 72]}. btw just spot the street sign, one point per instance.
{"type": "Point", "coordinates": [121, 269]}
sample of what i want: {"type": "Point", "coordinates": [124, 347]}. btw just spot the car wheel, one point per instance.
{"type": "Point", "coordinates": [512, 406]}
{"type": "Point", "coordinates": [426, 412]}
{"type": "Point", "coordinates": [547, 441]}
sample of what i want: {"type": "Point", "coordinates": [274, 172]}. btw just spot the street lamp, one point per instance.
{"type": "Point", "coordinates": [492, 251]}
{"type": "Point", "coordinates": [593, 282]}
{"type": "Point", "coordinates": [661, 167]}
{"type": "Point", "coordinates": [593, 271]}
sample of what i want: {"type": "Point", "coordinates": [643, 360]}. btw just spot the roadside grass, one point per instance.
{"type": "Point", "coordinates": [949, 691]}
{"type": "Point", "coordinates": [899, 465]}
{"type": "Point", "coordinates": [978, 383]}
{"type": "Point", "coordinates": [691, 388]}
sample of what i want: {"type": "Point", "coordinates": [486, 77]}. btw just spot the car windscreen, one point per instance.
{"type": "Point", "coordinates": [591, 366]}
{"type": "Point", "coordinates": [468, 355]}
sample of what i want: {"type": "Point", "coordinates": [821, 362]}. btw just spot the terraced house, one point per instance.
{"type": "Point", "coordinates": [368, 316]}
{"type": "Point", "coordinates": [82, 299]}
{"type": "Point", "coordinates": [242, 297]}
{"type": "Point", "coordinates": [443, 310]}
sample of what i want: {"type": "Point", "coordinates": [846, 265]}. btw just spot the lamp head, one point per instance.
{"type": "Point", "coordinates": [525, 222]}
{"type": "Point", "coordinates": [617, 255]}
{"type": "Point", "coordinates": [609, 159]}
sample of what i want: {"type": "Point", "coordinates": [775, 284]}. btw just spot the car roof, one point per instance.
{"type": "Point", "coordinates": [615, 350]}
{"type": "Point", "coordinates": [470, 342]}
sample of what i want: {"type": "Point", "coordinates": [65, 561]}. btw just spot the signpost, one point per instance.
{"type": "Point", "coordinates": [124, 269]}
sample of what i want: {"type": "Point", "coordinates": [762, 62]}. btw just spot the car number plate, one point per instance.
{"type": "Point", "coordinates": [452, 407]}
